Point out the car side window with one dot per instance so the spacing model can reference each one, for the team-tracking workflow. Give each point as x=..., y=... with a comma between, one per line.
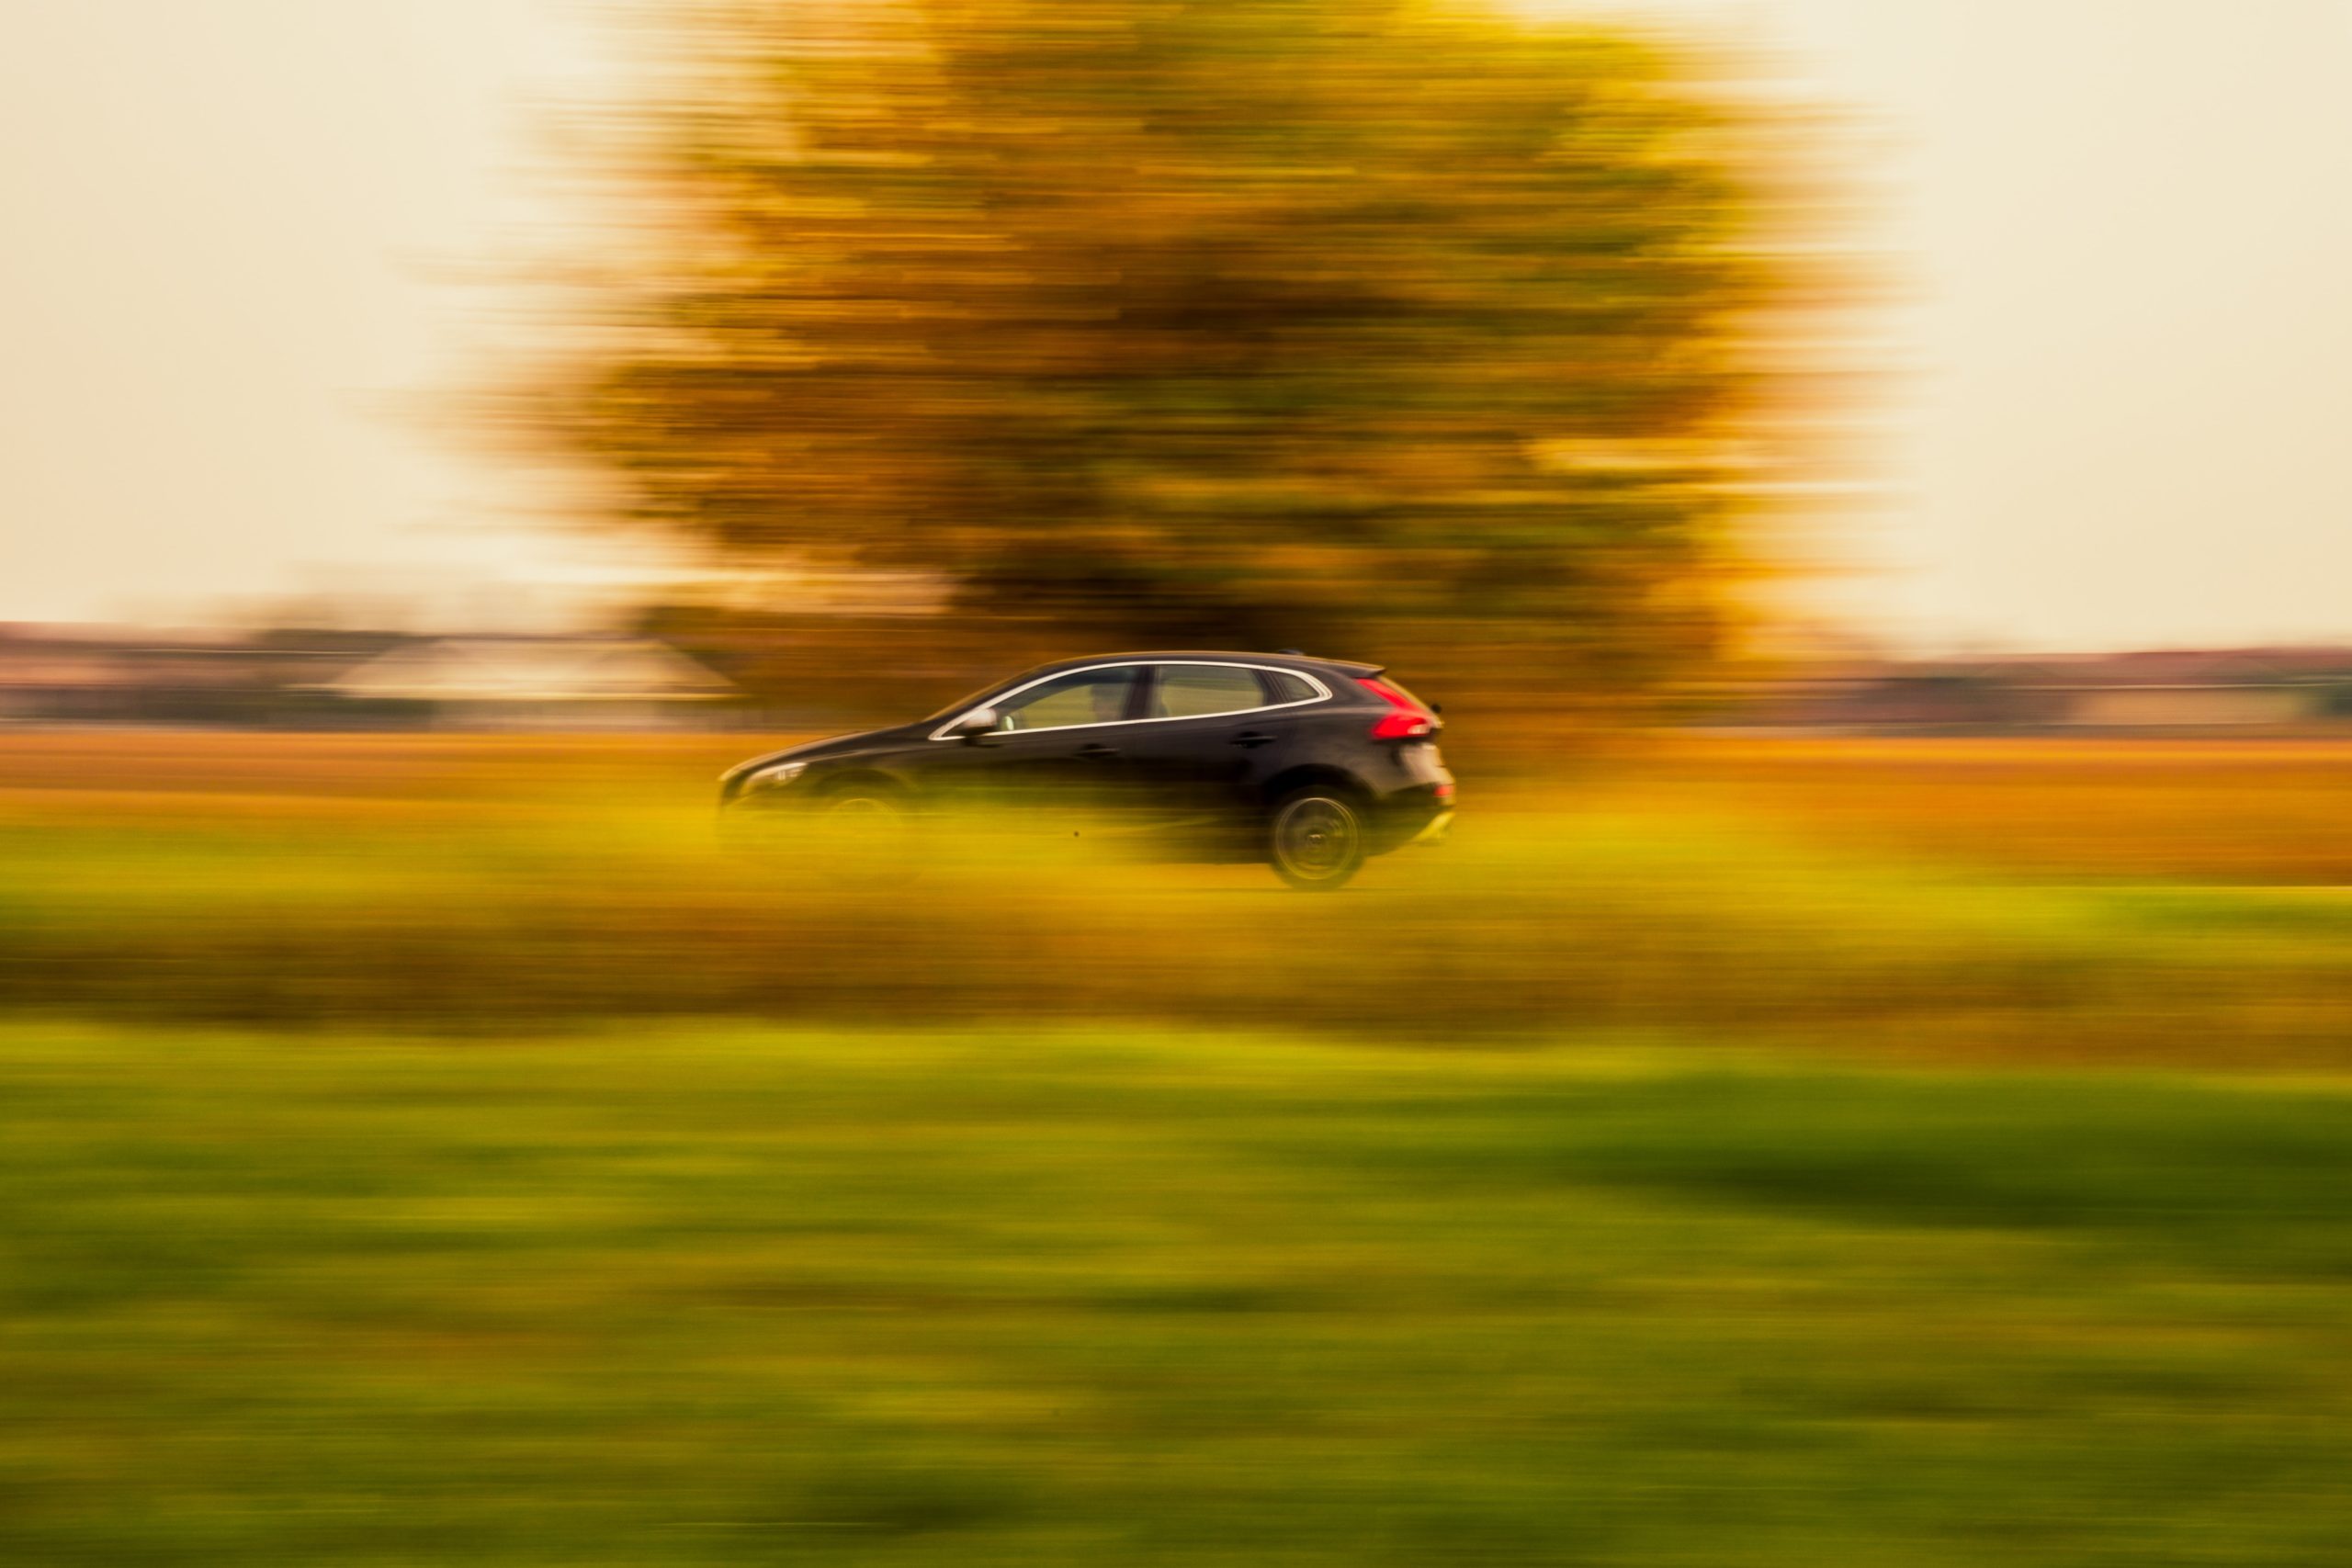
x=1196, y=690
x=1083, y=696
x=1282, y=686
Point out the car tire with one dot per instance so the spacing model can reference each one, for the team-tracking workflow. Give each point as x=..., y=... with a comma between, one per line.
x=867, y=835
x=759, y=828
x=1314, y=838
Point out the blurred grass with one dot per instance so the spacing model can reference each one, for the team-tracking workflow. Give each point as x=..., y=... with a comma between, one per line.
x=705, y=1294
x=2017, y=900
x=432, y=1149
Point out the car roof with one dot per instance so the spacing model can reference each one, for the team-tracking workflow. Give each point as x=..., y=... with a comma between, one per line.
x=1217, y=656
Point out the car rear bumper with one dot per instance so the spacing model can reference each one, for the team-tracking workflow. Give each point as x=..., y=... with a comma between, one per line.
x=1435, y=830
x=1422, y=813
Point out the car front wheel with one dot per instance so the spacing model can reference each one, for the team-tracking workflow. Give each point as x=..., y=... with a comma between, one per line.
x=1315, y=839
x=866, y=836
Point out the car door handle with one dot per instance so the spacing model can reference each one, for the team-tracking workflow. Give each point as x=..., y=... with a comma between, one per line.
x=1095, y=751
x=1253, y=738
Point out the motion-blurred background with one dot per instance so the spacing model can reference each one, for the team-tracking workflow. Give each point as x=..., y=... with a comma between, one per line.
x=1865, y=1084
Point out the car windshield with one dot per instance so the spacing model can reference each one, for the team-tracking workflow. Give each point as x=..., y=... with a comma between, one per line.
x=1065, y=701
x=963, y=706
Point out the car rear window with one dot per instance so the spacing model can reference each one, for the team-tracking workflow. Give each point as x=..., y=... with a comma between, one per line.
x=1196, y=690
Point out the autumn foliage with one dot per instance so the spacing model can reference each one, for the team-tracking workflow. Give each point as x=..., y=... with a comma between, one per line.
x=1314, y=322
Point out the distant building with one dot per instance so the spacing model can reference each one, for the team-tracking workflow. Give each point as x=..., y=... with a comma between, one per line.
x=102, y=675
x=2190, y=707
x=1891, y=696
x=512, y=683
x=2228, y=689
x=2241, y=690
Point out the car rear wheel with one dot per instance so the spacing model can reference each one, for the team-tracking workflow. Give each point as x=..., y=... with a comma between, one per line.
x=1315, y=839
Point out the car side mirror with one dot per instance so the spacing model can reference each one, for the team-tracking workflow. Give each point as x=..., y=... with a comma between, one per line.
x=973, y=725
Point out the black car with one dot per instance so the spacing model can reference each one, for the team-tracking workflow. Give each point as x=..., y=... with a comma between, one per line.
x=1310, y=764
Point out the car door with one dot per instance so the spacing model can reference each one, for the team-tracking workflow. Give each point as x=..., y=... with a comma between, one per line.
x=1057, y=747
x=1208, y=728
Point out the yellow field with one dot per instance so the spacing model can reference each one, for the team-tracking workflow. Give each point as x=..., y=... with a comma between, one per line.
x=2271, y=812
x=2249, y=811
x=2043, y=900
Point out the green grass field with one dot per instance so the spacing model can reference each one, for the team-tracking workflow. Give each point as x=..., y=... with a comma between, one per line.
x=433, y=1152
x=701, y=1295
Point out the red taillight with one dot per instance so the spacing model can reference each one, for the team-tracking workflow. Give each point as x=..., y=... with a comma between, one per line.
x=1406, y=720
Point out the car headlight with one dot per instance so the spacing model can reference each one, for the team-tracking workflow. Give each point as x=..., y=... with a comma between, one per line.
x=776, y=777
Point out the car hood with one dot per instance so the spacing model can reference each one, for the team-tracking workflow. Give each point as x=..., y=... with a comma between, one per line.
x=809, y=752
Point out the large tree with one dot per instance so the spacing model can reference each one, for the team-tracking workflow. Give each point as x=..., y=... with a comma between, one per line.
x=1219, y=320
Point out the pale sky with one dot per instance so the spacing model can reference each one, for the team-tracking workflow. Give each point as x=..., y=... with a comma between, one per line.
x=2126, y=226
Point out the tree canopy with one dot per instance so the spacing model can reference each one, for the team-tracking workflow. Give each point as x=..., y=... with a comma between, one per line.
x=1223, y=322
